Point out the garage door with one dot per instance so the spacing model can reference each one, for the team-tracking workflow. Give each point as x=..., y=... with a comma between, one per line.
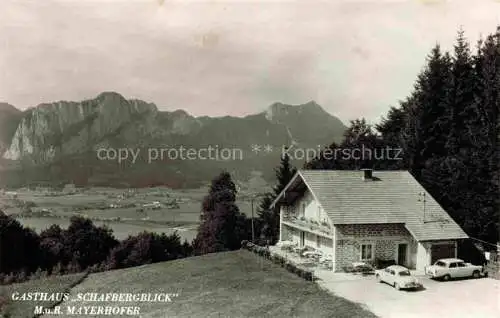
x=442, y=251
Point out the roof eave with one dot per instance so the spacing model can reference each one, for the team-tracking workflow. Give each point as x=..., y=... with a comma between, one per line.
x=444, y=238
x=282, y=193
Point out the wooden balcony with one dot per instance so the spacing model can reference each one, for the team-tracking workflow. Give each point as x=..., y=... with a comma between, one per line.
x=308, y=225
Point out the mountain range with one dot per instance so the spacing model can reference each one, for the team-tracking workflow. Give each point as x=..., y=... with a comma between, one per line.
x=74, y=142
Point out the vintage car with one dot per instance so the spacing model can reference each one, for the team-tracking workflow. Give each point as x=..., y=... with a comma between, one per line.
x=398, y=276
x=448, y=268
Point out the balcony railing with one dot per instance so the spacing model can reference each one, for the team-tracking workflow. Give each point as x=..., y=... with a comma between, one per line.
x=313, y=225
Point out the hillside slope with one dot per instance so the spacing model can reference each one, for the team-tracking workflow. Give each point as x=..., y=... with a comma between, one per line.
x=232, y=284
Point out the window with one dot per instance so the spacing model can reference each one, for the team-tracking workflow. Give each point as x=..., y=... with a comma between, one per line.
x=392, y=272
x=453, y=265
x=404, y=273
x=318, y=241
x=440, y=264
x=303, y=209
x=461, y=265
x=366, y=252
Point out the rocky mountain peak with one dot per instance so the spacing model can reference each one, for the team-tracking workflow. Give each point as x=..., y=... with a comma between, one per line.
x=110, y=97
x=279, y=111
x=8, y=108
x=180, y=113
x=56, y=134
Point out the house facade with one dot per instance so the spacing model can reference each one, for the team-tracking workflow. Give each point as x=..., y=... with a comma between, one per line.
x=363, y=216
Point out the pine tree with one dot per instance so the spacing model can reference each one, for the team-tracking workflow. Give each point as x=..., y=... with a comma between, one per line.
x=326, y=160
x=431, y=103
x=444, y=174
x=269, y=218
x=484, y=132
x=222, y=226
x=391, y=129
x=362, y=142
x=284, y=173
x=451, y=134
x=461, y=96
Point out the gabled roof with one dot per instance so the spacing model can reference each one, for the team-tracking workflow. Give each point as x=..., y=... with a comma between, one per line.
x=390, y=197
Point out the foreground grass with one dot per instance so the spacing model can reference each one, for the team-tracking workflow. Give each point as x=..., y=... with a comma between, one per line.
x=232, y=284
x=24, y=309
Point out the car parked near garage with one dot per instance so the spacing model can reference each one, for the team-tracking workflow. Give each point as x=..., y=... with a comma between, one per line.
x=448, y=268
x=397, y=276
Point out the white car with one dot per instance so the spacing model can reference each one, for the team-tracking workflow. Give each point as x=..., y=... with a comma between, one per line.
x=398, y=276
x=448, y=268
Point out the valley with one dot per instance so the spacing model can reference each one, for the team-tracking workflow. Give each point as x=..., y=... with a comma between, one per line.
x=125, y=211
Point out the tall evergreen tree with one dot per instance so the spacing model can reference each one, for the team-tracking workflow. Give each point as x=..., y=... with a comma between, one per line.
x=269, y=218
x=430, y=109
x=222, y=226
x=484, y=133
x=449, y=129
x=460, y=93
x=327, y=159
x=360, y=148
x=451, y=132
x=284, y=174
x=391, y=129
x=444, y=169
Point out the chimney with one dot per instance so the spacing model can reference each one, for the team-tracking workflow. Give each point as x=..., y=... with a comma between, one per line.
x=367, y=174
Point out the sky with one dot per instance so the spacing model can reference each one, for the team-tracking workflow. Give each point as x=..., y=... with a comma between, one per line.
x=355, y=58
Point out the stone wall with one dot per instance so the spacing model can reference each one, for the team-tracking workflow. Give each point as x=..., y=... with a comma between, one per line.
x=383, y=237
x=369, y=230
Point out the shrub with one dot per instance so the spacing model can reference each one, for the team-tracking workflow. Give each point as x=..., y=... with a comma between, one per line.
x=37, y=274
x=308, y=275
x=9, y=279
x=94, y=268
x=348, y=269
x=278, y=260
x=22, y=276
x=73, y=267
x=58, y=269
x=146, y=248
x=267, y=254
x=299, y=271
x=275, y=259
x=24, y=254
x=363, y=269
x=282, y=261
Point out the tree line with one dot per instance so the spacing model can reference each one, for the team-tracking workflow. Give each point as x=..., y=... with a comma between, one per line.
x=448, y=132
x=83, y=246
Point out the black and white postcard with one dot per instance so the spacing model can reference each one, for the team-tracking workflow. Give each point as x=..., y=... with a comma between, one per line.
x=250, y=158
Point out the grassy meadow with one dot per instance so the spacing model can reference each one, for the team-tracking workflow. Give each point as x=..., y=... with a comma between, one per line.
x=25, y=309
x=231, y=284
